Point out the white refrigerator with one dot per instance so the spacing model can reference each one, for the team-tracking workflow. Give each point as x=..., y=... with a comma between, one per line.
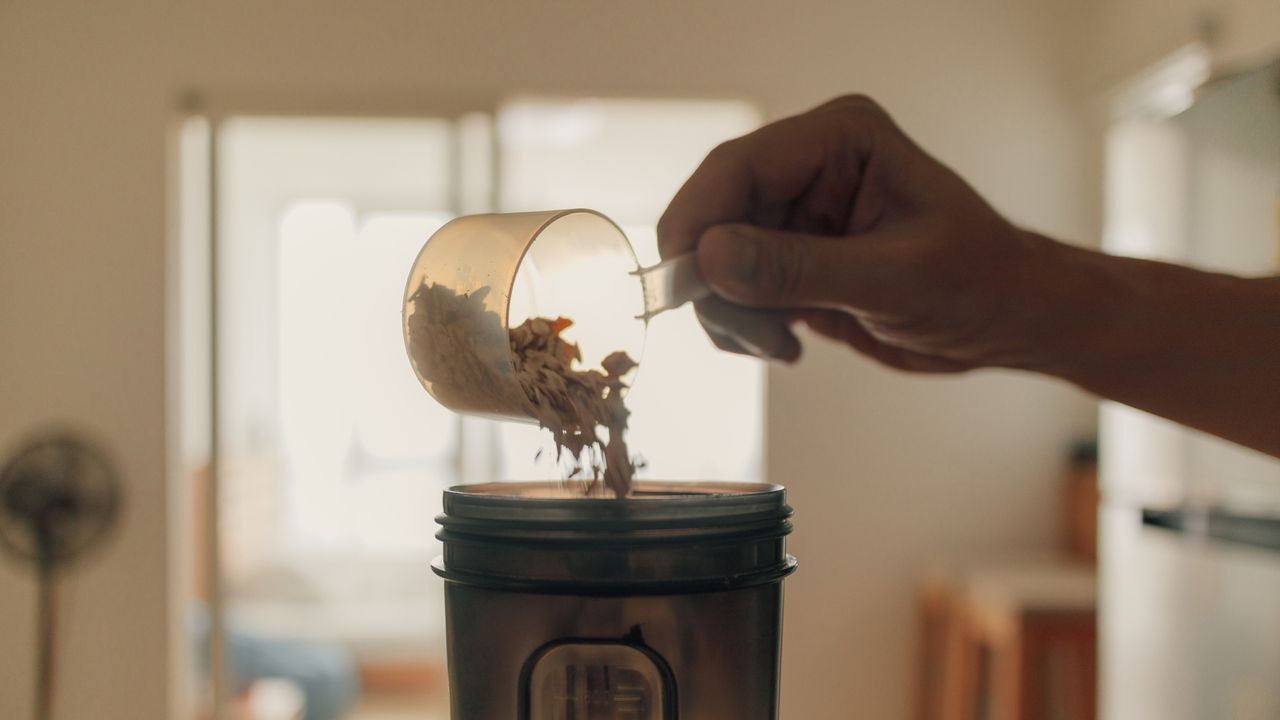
x=1189, y=524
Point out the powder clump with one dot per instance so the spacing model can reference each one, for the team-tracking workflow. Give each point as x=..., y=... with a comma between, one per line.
x=575, y=403
x=455, y=343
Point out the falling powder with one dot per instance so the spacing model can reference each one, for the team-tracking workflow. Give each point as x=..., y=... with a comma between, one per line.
x=575, y=404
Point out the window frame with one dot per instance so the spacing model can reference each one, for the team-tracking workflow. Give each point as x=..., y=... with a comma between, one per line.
x=196, y=249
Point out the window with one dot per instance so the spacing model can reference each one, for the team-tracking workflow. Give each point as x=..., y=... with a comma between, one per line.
x=333, y=458
x=365, y=450
x=328, y=442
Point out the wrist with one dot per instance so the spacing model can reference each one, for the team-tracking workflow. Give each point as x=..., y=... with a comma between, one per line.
x=1070, y=308
x=1100, y=320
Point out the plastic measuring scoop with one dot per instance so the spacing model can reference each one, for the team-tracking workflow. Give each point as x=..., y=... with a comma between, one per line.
x=480, y=275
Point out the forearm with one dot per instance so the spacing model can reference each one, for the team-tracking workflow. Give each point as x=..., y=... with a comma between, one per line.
x=1199, y=348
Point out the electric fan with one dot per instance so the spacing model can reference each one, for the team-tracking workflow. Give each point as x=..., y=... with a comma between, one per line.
x=59, y=498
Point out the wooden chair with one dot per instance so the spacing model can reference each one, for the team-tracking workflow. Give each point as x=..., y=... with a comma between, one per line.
x=1017, y=640
x=1012, y=642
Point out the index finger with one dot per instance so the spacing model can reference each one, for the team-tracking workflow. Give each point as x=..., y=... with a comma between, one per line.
x=746, y=179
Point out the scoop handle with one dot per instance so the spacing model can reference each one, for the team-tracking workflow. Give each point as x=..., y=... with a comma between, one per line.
x=675, y=281
x=670, y=284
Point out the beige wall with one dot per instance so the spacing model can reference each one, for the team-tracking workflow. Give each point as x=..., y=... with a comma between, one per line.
x=887, y=471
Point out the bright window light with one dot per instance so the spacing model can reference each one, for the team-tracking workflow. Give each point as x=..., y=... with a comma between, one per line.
x=697, y=413
x=329, y=445
x=332, y=456
x=366, y=450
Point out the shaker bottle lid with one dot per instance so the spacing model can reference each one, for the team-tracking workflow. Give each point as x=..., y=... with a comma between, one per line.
x=664, y=538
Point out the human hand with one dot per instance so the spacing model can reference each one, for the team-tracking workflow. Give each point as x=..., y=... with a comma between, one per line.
x=836, y=219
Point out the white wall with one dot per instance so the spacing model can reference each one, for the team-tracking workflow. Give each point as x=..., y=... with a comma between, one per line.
x=1124, y=37
x=886, y=470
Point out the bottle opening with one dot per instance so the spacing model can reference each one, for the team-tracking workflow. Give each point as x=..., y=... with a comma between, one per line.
x=641, y=490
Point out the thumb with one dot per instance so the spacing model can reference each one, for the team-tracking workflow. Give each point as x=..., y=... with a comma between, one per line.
x=779, y=269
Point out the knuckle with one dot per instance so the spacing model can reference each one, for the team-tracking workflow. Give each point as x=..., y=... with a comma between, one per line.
x=856, y=100
x=856, y=104
x=723, y=151
x=717, y=234
x=783, y=272
x=862, y=111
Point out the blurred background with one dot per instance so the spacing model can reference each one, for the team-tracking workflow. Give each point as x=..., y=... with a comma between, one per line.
x=277, y=166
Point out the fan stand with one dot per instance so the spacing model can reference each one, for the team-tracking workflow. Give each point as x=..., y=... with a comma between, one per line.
x=59, y=498
x=46, y=625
